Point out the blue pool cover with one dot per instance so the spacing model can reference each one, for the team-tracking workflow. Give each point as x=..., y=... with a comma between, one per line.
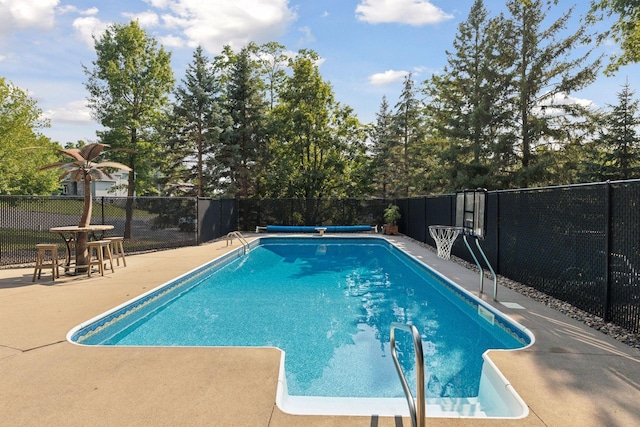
x=314, y=228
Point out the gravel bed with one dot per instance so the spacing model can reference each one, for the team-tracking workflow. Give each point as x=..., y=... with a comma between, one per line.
x=619, y=333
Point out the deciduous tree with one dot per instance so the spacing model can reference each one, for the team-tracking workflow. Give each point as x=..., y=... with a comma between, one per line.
x=273, y=62
x=23, y=149
x=313, y=139
x=129, y=86
x=625, y=31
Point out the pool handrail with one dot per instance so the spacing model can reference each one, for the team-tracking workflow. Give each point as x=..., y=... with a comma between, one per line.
x=240, y=237
x=495, y=278
x=417, y=407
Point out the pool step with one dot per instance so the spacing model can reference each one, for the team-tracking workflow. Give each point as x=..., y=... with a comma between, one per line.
x=454, y=407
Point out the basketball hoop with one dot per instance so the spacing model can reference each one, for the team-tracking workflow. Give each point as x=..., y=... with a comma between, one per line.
x=444, y=235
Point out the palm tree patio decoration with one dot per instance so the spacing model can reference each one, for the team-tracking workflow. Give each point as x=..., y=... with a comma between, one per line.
x=84, y=169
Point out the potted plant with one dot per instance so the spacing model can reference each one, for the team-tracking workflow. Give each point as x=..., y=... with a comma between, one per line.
x=391, y=217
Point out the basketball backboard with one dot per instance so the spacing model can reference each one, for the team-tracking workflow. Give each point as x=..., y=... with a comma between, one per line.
x=471, y=206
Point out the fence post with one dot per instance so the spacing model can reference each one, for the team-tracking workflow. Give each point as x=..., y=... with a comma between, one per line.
x=237, y=210
x=607, y=253
x=197, y=221
x=103, y=210
x=497, y=232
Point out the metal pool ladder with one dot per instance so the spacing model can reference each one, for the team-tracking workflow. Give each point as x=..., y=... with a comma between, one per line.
x=416, y=408
x=495, y=278
x=238, y=235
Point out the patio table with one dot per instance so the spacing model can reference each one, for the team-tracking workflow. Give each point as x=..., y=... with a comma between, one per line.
x=70, y=233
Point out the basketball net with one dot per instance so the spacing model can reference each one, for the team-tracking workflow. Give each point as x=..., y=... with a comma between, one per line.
x=444, y=235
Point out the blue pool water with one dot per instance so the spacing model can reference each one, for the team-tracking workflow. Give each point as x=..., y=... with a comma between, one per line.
x=328, y=303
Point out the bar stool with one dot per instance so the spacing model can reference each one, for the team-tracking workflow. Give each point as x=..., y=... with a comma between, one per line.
x=117, y=249
x=99, y=248
x=43, y=248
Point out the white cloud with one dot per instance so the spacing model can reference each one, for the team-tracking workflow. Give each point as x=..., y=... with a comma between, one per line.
x=160, y=4
x=67, y=8
x=564, y=99
x=307, y=36
x=412, y=12
x=26, y=14
x=171, y=41
x=87, y=27
x=387, y=78
x=72, y=9
x=215, y=24
x=547, y=105
x=75, y=112
x=146, y=19
x=91, y=11
x=174, y=23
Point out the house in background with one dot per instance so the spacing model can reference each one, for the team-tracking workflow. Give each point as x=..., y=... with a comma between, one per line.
x=116, y=187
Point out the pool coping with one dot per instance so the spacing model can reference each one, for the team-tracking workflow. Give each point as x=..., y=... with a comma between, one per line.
x=572, y=375
x=492, y=382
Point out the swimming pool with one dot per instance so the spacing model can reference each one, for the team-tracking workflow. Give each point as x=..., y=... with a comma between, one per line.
x=328, y=304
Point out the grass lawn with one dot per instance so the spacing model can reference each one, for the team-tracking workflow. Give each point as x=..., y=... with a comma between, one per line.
x=70, y=206
x=13, y=239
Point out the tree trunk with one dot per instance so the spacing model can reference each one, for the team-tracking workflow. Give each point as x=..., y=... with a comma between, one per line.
x=131, y=188
x=200, y=192
x=81, y=244
x=128, y=224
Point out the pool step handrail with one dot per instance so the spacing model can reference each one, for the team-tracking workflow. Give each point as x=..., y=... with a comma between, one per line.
x=417, y=406
x=238, y=235
x=495, y=278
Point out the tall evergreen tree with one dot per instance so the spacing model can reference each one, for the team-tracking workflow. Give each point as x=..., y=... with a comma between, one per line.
x=470, y=102
x=409, y=125
x=546, y=67
x=619, y=139
x=129, y=87
x=385, y=151
x=238, y=157
x=194, y=127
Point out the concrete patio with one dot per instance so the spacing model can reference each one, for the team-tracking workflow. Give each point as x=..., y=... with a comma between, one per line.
x=571, y=376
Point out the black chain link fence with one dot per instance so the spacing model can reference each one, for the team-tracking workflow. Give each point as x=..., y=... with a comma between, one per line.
x=623, y=247
x=580, y=244
x=164, y=222
x=263, y=212
x=156, y=223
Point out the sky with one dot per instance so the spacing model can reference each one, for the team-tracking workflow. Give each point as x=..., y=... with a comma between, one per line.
x=367, y=46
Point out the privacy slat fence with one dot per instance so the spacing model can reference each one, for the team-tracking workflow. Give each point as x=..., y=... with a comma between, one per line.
x=580, y=244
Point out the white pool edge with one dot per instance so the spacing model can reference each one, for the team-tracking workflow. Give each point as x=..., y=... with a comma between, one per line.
x=492, y=383
x=491, y=380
